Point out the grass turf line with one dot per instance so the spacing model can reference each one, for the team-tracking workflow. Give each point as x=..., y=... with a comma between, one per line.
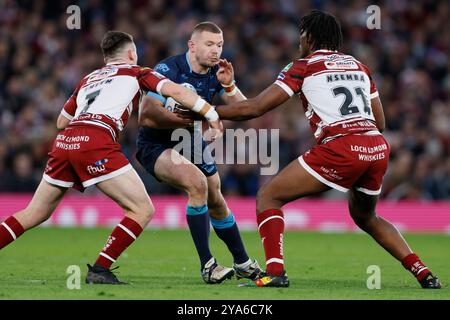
x=163, y=264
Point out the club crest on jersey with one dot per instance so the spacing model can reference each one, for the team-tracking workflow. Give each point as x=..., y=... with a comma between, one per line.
x=162, y=67
x=336, y=65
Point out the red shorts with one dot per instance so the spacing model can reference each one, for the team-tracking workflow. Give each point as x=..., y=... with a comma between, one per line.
x=358, y=161
x=83, y=156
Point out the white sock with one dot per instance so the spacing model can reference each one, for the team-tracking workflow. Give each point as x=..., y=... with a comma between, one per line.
x=244, y=265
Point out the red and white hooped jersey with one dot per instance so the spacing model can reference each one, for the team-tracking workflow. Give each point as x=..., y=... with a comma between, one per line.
x=106, y=97
x=335, y=90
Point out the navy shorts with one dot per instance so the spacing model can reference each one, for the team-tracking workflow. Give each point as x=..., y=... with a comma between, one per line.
x=149, y=151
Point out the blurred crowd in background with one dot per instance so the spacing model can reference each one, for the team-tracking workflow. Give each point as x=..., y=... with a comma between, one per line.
x=41, y=62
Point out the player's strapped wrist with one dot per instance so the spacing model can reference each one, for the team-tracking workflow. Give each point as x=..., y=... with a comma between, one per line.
x=212, y=115
x=205, y=109
x=230, y=89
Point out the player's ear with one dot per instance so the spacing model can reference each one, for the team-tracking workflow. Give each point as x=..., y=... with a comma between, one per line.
x=191, y=45
x=132, y=55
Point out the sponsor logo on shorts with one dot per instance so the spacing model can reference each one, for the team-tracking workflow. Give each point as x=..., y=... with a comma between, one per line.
x=100, y=162
x=370, y=153
x=364, y=149
x=331, y=173
x=94, y=170
x=97, y=167
x=67, y=146
x=69, y=142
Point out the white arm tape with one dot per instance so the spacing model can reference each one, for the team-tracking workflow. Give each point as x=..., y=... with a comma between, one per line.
x=198, y=105
x=228, y=85
x=211, y=115
x=233, y=92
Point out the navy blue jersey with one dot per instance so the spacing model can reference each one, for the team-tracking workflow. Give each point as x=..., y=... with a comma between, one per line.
x=178, y=69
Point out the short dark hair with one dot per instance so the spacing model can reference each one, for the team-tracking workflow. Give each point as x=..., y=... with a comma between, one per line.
x=207, y=26
x=113, y=41
x=322, y=29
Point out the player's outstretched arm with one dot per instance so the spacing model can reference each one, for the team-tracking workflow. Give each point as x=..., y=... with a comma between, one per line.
x=378, y=113
x=192, y=101
x=269, y=99
x=152, y=114
x=225, y=75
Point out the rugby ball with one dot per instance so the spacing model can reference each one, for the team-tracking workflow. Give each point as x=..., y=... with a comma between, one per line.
x=171, y=104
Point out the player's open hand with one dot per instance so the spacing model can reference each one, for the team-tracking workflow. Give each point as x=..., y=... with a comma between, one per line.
x=215, y=130
x=225, y=74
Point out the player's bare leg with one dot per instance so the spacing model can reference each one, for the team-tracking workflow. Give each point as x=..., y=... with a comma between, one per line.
x=42, y=205
x=362, y=210
x=129, y=192
x=291, y=183
x=226, y=228
x=175, y=170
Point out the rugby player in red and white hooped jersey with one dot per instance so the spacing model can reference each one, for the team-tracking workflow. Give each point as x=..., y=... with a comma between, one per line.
x=344, y=110
x=86, y=152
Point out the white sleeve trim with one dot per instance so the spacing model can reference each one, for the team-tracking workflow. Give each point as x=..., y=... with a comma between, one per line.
x=285, y=87
x=159, y=86
x=66, y=114
x=374, y=95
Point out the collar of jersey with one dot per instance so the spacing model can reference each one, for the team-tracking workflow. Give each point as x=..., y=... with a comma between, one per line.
x=195, y=74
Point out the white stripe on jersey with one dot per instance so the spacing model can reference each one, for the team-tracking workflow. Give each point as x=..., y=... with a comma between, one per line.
x=100, y=124
x=65, y=114
x=285, y=87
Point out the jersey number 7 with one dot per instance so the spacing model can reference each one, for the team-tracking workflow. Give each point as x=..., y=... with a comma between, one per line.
x=90, y=99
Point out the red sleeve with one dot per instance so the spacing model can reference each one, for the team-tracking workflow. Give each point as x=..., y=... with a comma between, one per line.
x=373, y=87
x=290, y=79
x=151, y=80
x=70, y=107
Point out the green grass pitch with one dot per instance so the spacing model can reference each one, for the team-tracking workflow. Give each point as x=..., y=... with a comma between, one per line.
x=164, y=265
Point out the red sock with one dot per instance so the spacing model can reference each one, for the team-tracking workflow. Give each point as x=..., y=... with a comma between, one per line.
x=10, y=230
x=271, y=228
x=122, y=236
x=413, y=263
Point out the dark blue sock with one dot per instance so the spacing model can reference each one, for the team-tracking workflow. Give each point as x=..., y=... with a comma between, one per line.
x=227, y=230
x=198, y=221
